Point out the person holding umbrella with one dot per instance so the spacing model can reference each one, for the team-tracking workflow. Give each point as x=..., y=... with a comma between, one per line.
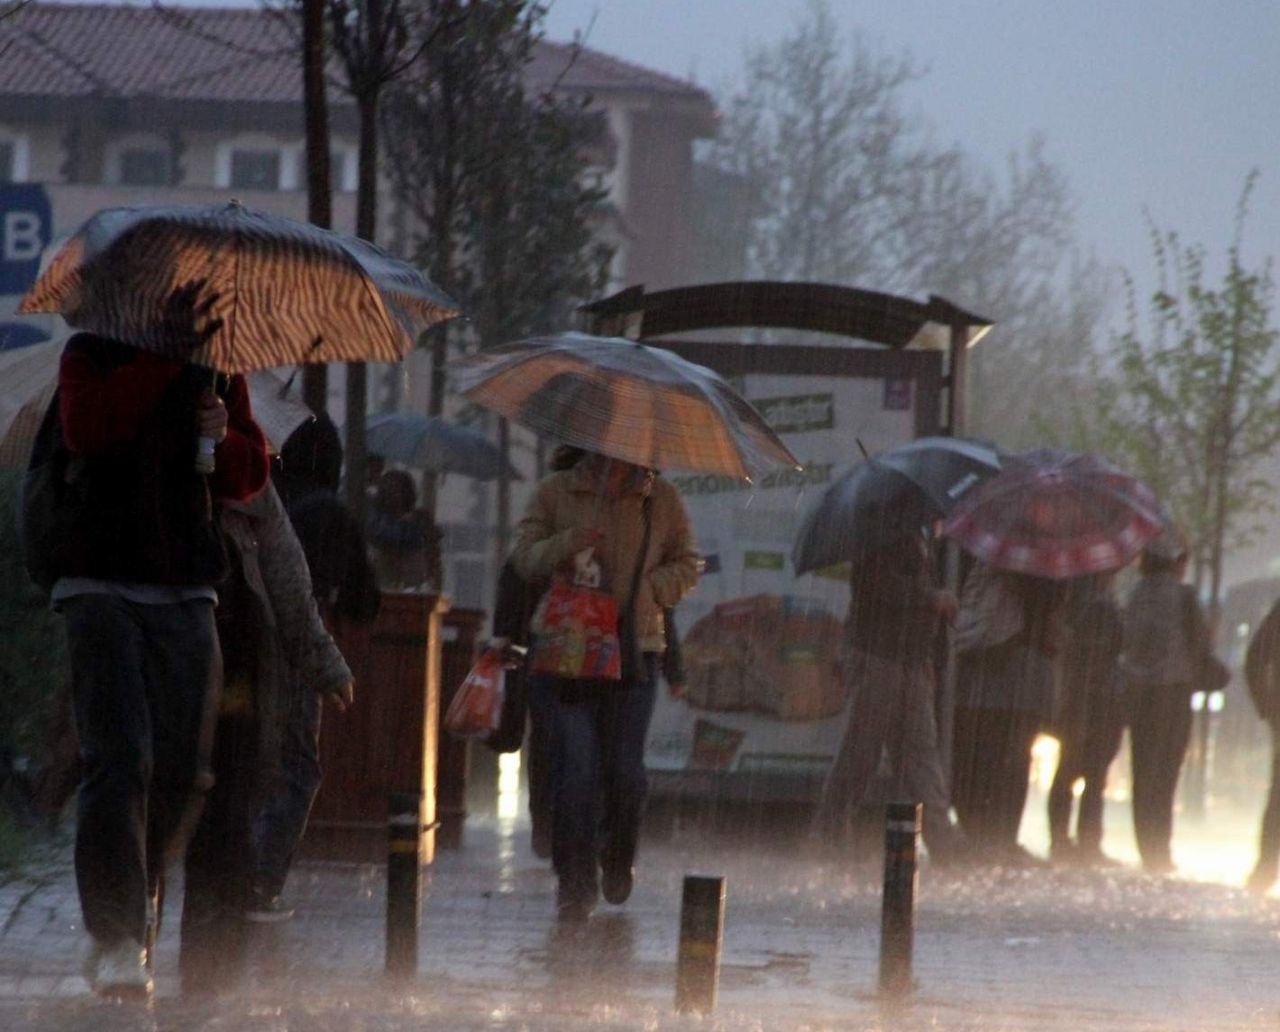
x=636, y=524
x=168, y=295
x=136, y=583
x=896, y=613
x=1049, y=516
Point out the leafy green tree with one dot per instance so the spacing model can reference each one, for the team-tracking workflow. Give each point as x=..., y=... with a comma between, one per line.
x=498, y=181
x=1194, y=403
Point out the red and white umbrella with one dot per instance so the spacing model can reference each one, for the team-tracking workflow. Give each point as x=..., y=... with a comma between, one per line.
x=1056, y=514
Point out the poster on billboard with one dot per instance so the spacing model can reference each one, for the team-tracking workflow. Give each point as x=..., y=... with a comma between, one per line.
x=765, y=699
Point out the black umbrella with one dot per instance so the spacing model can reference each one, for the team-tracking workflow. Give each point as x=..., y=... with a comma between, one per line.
x=905, y=487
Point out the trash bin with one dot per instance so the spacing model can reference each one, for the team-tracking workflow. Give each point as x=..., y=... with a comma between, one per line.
x=387, y=741
x=460, y=637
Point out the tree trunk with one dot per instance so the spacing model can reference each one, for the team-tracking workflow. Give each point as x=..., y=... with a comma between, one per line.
x=504, y=493
x=315, y=377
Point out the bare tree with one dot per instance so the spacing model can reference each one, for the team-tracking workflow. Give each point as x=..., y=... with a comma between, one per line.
x=836, y=182
x=315, y=103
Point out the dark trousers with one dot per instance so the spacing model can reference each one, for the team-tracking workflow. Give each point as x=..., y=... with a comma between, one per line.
x=213, y=954
x=143, y=679
x=990, y=765
x=1268, y=865
x=541, y=720
x=279, y=825
x=1093, y=729
x=598, y=779
x=1159, y=729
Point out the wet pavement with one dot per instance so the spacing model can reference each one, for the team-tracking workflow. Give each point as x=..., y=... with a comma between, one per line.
x=995, y=949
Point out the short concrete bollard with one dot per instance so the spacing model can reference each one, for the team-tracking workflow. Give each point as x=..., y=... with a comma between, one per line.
x=897, y=915
x=701, y=937
x=404, y=883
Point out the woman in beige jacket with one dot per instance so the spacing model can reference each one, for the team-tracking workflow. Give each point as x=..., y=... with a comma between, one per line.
x=598, y=729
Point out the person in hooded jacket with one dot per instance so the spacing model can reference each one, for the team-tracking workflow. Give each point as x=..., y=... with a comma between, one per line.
x=1262, y=676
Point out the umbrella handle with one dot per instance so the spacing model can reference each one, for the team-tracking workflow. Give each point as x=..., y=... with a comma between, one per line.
x=206, y=462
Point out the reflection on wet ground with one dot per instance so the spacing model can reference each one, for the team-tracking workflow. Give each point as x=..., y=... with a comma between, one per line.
x=1080, y=949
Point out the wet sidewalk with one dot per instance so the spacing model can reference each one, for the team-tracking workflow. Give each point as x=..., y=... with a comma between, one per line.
x=995, y=949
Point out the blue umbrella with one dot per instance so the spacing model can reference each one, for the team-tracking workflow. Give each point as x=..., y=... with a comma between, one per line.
x=430, y=443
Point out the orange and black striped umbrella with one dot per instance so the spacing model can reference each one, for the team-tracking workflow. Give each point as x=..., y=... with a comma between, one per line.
x=633, y=402
x=237, y=289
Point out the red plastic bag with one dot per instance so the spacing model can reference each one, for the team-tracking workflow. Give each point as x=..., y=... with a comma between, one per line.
x=476, y=708
x=576, y=634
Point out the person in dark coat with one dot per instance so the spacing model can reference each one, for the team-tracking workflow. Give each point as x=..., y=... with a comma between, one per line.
x=1091, y=719
x=896, y=614
x=136, y=581
x=345, y=588
x=1166, y=639
x=1262, y=675
x=1008, y=639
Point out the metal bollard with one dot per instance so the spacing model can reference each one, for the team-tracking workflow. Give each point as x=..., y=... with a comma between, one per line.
x=897, y=914
x=701, y=937
x=404, y=882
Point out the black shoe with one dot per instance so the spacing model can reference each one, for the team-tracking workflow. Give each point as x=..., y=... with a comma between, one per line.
x=616, y=882
x=267, y=909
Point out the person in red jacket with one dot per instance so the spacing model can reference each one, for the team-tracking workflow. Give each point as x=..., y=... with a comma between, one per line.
x=136, y=581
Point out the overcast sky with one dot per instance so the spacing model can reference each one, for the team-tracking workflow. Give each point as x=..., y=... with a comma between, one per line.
x=1162, y=104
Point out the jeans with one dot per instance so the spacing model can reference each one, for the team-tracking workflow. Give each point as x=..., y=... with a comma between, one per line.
x=144, y=685
x=598, y=781
x=282, y=819
x=1268, y=864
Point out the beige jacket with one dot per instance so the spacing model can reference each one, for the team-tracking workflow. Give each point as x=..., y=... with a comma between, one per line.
x=571, y=499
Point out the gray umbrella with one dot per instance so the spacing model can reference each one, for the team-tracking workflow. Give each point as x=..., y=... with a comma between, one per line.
x=907, y=486
x=431, y=443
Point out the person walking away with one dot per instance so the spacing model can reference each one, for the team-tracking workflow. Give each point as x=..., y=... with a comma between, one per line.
x=1091, y=721
x=406, y=544
x=274, y=645
x=345, y=589
x=895, y=615
x=1262, y=676
x=637, y=527
x=1166, y=638
x=1008, y=637
x=136, y=583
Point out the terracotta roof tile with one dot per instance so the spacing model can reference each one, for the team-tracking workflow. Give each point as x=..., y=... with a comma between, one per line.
x=227, y=54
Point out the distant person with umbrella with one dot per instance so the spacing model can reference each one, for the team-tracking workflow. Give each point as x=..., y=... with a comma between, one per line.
x=1008, y=638
x=405, y=541
x=1047, y=517
x=896, y=613
x=1167, y=649
x=637, y=526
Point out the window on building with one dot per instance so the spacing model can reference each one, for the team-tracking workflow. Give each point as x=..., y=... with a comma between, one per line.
x=144, y=166
x=8, y=159
x=255, y=170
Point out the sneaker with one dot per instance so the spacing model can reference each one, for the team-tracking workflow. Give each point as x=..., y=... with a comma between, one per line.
x=616, y=882
x=541, y=839
x=267, y=909
x=119, y=969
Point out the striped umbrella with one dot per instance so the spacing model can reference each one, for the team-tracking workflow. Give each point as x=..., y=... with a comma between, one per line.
x=633, y=402
x=237, y=289
x=1056, y=514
